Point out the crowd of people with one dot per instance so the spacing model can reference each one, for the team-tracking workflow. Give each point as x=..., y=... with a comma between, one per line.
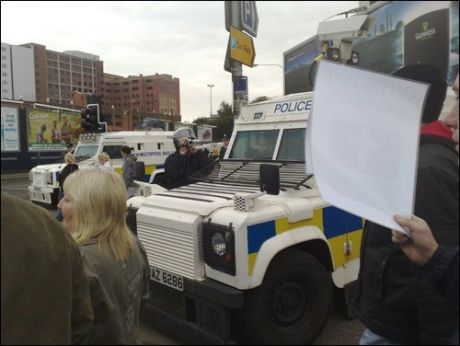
x=84, y=281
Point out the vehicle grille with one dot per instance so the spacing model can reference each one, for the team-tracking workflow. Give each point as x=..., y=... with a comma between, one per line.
x=39, y=179
x=131, y=219
x=169, y=249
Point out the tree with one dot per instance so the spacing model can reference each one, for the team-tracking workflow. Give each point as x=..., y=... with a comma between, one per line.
x=223, y=123
x=201, y=121
x=260, y=99
x=225, y=110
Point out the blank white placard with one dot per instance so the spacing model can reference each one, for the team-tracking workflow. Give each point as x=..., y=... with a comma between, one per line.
x=363, y=140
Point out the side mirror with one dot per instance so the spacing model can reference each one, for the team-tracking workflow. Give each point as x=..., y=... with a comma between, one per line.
x=270, y=179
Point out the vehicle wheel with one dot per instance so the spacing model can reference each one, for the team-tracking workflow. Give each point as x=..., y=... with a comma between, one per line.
x=292, y=304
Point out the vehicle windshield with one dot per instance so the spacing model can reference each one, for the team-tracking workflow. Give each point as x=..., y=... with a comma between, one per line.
x=85, y=151
x=254, y=145
x=113, y=151
x=292, y=147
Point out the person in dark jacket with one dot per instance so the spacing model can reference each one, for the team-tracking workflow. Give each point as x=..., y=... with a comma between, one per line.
x=439, y=264
x=223, y=150
x=177, y=165
x=129, y=170
x=71, y=166
x=198, y=159
x=394, y=304
x=45, y=293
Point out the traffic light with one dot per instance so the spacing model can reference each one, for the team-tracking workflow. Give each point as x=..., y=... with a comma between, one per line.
x=90, y=119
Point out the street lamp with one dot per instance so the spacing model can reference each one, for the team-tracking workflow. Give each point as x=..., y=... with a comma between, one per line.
x=210, y=86
x=113, y=117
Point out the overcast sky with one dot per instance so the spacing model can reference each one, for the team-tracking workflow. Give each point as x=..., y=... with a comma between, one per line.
x=185, y=39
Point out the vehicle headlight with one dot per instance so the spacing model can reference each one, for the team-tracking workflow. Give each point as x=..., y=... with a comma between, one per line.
x=218, y=243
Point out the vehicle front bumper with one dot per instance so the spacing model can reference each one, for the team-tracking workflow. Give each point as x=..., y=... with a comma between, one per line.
x=204, y=306
x=43, y=194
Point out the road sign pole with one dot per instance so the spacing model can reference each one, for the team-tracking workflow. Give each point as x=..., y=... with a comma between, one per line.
x=240, y=15
x=237, y=71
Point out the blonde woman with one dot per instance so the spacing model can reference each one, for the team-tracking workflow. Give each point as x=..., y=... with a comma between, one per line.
x=116, y=265
x=105, y=163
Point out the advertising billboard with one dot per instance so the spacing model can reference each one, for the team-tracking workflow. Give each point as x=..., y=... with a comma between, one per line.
x=51, y=130
x=401, y=33
x=10, y=129
x=299, y=67
x=204, y=133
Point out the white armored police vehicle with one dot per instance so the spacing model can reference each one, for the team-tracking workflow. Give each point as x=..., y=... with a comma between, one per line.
x=224, y=254
x=237, y=264
x=150, y=147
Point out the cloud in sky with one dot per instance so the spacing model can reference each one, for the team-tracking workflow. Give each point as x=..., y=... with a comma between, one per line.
x=185, y=39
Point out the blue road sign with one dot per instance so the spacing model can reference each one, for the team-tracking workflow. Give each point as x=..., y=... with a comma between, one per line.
x=249, y=19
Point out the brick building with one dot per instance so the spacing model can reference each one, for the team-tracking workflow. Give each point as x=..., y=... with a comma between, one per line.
x=71, y=77
x=155, y=96
x=58, y=74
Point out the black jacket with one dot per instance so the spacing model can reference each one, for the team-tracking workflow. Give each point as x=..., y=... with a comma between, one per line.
x=441, y=272
x=66, y=171
x=198, y=161
x=222, y=152
x=176, y=170
x=395, y=301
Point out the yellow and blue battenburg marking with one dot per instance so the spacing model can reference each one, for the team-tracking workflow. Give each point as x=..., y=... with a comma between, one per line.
x=148, y=171
x=338, y=227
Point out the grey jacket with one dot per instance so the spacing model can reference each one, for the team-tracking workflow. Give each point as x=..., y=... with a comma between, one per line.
x=129, y=170
x=117, y=290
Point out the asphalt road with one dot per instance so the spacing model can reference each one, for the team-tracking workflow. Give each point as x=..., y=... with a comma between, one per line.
x=338, y=331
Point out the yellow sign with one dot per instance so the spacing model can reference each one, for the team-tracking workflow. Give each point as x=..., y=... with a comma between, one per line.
x=241, y=47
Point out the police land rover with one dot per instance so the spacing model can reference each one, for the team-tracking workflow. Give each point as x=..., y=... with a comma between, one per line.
x=240, y=264
x=150, y=147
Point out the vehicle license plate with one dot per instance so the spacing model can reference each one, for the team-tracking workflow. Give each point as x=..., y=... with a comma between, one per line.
x=166, y=278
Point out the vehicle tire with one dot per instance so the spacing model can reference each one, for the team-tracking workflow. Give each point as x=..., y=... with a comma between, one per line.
x=292, y=304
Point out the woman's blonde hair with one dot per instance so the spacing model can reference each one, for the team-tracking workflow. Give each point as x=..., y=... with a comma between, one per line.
x=69, y=158
x=99, y=200
x=104, y=157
